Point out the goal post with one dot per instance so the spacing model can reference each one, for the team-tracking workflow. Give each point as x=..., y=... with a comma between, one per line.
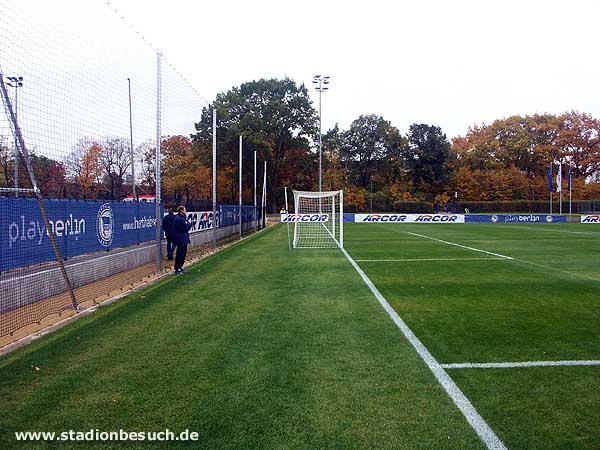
x=318, y=219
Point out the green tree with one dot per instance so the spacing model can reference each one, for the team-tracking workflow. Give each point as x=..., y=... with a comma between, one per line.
x=371, y=148
x=429, y=159
x=275, y=118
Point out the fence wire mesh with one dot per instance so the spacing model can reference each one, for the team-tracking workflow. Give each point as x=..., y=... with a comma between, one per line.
x=84, y=88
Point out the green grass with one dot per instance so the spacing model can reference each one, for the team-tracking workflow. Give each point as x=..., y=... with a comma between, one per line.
x=543, y=305
x=253, y=348
x=257, y=347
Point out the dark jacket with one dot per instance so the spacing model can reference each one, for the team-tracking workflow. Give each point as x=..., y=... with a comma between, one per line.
x=180, y=230
x=167, y=224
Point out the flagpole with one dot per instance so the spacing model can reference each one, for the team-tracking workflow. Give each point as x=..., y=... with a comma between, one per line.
x=559, y=186
x=569, y=180
x=550, y=185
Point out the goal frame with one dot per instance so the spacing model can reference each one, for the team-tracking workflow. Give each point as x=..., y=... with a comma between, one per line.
x=333, y=211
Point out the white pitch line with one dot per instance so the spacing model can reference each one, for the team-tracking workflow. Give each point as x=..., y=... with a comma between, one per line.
x=508, y=365
x=427, y=259
x=461, y=246
x=478, y=423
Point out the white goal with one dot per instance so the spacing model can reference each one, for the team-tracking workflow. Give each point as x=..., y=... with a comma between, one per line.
x=318, y=219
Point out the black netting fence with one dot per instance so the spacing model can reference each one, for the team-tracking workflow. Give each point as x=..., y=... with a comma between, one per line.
x=88, y=109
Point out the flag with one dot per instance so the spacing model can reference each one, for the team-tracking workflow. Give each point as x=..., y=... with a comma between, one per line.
x=559, y=178
x=569, y=179
x=550, y=178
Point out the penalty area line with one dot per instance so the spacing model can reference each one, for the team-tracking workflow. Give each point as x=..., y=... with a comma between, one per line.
x=487, y=258
x=478, y=423
x=461, y=246
x=510, y=365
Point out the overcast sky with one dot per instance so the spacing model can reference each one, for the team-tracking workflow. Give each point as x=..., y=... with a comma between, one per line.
x=446, y=63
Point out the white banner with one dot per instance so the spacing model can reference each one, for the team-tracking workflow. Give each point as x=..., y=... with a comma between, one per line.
x=590, y=218
x=317, y=217
x=409, y=218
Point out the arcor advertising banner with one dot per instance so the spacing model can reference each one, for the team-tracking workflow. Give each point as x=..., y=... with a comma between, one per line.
x=201, y=220
x=305, y=218
x=409, y=218
x=590, y=218
x=79, y=227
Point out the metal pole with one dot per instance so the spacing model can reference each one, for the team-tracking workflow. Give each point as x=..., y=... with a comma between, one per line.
x=131, y=141
x=158, y=162
x=16, y=164
x=550, y=186
x=569, y=181
x=255, y=210
x=288, y=222
x=560, y=187
x=264, y=197
x=214, y=177
x=371, y=196
x=341, y=219
x=240, y=199
x=320, y=140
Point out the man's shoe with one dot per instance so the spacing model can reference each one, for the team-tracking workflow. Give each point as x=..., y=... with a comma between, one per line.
x=179, y=272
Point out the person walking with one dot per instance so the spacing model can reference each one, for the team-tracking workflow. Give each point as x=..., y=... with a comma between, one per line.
x=180, y=234
x=167, y=226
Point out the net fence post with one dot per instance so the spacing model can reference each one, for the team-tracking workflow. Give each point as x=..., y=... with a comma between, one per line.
x=288, y=222
x=158, y=162
x=22, y=151
x=255, y=208
x=341, y=219
x=240, y=198
x=214, y=177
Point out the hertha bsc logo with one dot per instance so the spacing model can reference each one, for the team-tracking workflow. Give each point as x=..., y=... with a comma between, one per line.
x=105, y=225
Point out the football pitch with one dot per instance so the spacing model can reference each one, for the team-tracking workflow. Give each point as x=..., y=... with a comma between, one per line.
x=492, y=331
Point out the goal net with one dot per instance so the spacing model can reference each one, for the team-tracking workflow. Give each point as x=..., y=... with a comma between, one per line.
x=318, y=219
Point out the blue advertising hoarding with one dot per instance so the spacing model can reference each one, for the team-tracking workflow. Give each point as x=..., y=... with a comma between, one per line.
x=514, y=218
x=79, y=227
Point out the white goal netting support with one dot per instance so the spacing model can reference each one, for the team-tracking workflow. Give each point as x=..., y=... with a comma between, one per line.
x=318, y=219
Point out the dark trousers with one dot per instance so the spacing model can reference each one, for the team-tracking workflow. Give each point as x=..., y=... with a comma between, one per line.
x=170, y=247
x=180, y=256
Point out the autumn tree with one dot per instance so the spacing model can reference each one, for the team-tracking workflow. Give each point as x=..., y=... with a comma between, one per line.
x=183, y=174
x=84, y=168
x=50, y=175
x=147, y=159
x=115, y=158
x=579, y=143
x=55, y=185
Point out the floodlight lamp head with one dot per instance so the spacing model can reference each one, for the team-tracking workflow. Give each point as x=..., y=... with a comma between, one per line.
x=15, y=81
x=317, y=76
